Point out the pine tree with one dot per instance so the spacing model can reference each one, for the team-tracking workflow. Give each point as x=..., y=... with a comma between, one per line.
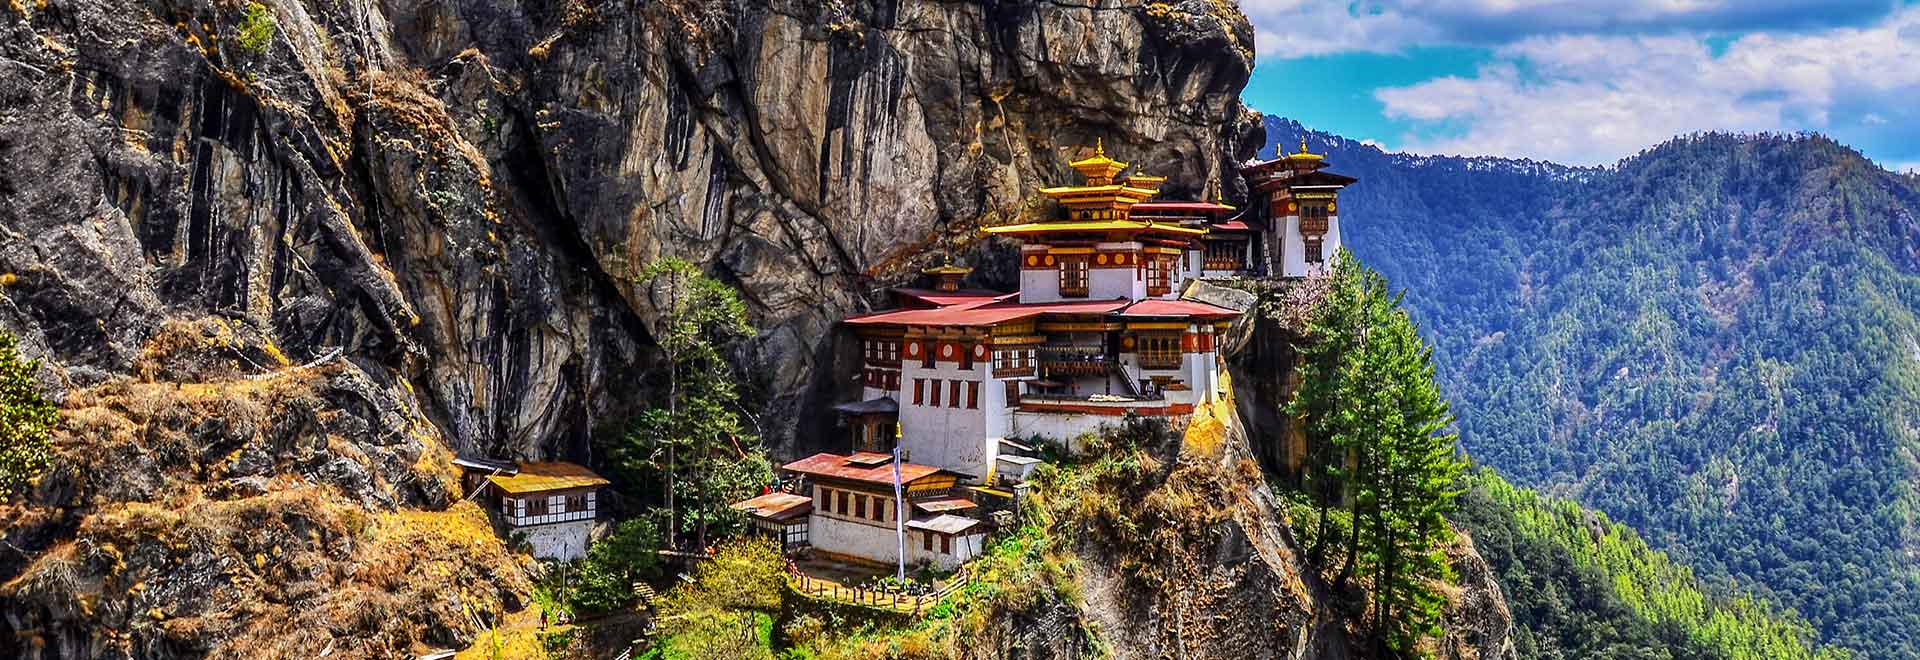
x=26, y=420
x=1367, y=392
x=695, y=444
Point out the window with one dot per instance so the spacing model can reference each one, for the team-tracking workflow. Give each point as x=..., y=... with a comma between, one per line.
x=933, y=399
x=893, y=351
x=919, y=387
x=1031, y=361
x=576, y=503
x=841, y=506
x=893, y=380
x=953, y=393
x=1073, y=276
x=966, y=357
x=1160, y=351
x=880, y=509
x=1159, y=275
x=926, y=354
x=973, y=394
x=946, y=544
x=926, y=541
x=859, y=506
x=537, y=506
x=867, y=348
x=1312, y=245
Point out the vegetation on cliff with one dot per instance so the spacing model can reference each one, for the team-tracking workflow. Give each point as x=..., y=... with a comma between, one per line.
x=1717, y=342
x=1368, y=399
x=26, y=420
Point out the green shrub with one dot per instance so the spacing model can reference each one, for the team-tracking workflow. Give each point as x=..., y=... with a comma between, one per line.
x=256, y=28
x=26, y=420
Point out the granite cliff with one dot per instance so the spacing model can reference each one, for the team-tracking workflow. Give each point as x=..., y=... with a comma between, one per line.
x=281, y=260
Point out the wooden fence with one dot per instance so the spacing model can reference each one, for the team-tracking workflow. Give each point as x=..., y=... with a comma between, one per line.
x=892, y=601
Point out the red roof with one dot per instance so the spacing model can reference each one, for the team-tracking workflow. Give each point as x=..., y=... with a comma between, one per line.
x=1180, y=308
x=971, y=297
x=1147, y=208
x=1230, y=225
x=842, y=466
x=990, y=314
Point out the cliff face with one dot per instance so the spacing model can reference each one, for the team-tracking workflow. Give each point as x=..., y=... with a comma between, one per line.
x=463, y=193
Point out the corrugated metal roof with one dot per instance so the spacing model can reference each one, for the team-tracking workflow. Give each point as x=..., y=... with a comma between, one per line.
x=970, y=297
x=988, y=314
x=1176, y=308
x=1149, y=207
x=1094, y=225
x=882, y=405
x=945, y=523
x=945, y=504
x=776, y=506
x=542, y=477
x=841, y=466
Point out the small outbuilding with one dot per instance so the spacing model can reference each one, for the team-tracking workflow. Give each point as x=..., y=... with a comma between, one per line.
x=552, y=505
x=778, y=516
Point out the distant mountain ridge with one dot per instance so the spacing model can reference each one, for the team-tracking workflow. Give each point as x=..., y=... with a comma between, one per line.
x=1714, y=341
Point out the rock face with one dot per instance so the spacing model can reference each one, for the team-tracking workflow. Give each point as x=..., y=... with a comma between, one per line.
x=464, y=192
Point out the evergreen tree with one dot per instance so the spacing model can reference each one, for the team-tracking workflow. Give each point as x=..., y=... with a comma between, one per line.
x=694, y=444
x=1367, y=393
x=26, y=420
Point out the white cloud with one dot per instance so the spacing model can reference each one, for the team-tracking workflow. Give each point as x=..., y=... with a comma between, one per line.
x=1299, y=28
x=1591, y=99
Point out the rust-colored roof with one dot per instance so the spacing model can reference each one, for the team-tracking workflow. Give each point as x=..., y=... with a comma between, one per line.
x=776, y=506
x=970, y=297
x=543, y=477
x=1094, y=225
x=1000, y=312
x=842, y=466
x=1148, y=208
x=1179, y=308
x=1231, y=225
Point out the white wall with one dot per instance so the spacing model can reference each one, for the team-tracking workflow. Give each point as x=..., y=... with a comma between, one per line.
x=1295, y=249
x=1112, y=282
x=955, y=438
x=565, y=541
x=1060, y=427
x=871, y=542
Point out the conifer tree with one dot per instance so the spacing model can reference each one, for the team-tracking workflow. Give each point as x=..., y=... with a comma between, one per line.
x=1367, y=394
x=26, y=420
x=694, y=444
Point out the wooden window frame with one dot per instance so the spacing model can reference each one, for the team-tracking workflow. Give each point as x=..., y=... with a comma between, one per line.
x=933, y=396
x=1160, y=350
x=926, y=541
x=1076, y=276
x=1159, y=275
x=919, y=391
x=1313, y=250
x=973, y=395
x=953, y=394
x=841, y=506
x=946, y=544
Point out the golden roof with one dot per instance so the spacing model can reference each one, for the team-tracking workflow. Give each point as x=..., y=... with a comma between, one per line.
x=1099, y=225
x=543, y=477
x=948, y=269
x=1116, y=191
x=1098, y=167
x=1303, y=153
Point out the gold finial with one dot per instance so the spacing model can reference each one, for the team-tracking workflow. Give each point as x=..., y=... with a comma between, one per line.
x=1099, y=147
x=1303, y=144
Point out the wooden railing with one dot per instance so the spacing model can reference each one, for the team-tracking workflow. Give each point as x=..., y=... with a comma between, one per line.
x=891, y=601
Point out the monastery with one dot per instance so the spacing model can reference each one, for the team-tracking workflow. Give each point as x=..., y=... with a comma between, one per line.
x=960, y=381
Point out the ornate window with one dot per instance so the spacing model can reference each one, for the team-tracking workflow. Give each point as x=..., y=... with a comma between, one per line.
x=1159, y=275
x=1073, y=276
x=1160, y=351
x=1313, y=247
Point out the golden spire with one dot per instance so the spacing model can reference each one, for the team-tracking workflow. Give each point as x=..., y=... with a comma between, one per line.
x=1303, y=153
x=1098, y=169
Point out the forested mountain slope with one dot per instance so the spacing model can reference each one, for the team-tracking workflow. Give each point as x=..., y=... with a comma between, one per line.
x=1714, y=341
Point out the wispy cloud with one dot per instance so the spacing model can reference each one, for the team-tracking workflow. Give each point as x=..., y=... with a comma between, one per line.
x=1594, y=98
x=1299, y=28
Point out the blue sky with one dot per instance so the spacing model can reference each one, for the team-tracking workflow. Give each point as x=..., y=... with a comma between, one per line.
x=1591, y=82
